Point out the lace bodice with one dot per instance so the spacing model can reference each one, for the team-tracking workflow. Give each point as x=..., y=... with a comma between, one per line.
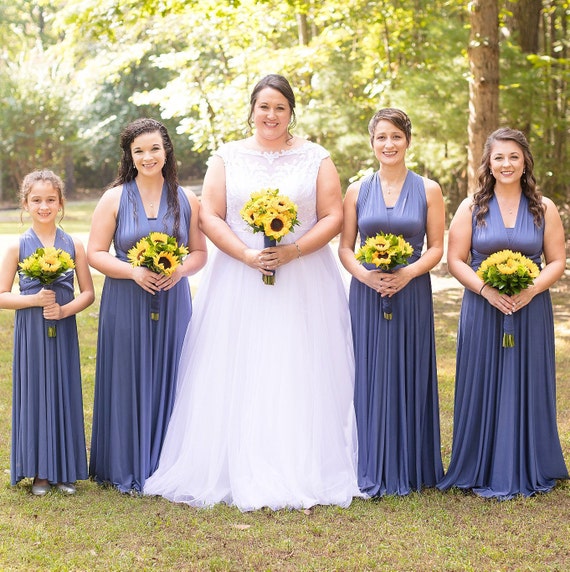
x=293, y=172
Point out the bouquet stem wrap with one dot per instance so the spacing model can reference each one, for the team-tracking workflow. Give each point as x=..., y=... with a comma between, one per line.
x=155, y=305
x=267, y=242
x=508, y=331
x=51, y=324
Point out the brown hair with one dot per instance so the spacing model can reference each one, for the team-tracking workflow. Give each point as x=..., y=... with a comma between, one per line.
x=279, y=83
x=486, y=181
x=127, y=170
x=42, y=175
x=395, y=116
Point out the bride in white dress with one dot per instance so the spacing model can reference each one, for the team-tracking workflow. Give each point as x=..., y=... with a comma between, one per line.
x=264, y=415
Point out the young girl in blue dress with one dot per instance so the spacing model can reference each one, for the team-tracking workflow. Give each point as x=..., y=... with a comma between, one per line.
x=48, y=435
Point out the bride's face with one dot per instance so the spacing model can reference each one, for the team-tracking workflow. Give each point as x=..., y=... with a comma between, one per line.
x=271, y=114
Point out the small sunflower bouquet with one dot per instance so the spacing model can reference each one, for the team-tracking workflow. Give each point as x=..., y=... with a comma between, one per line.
x=509, y=272
x=160, y=253
x=385, y=251
x=46, y=265
x=272, y=214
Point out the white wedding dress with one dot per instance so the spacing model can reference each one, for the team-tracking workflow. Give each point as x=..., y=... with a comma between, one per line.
x=264, y=415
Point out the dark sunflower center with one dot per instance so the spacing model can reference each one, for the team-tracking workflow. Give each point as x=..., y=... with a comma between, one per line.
x=165, y=262
x=277, y=225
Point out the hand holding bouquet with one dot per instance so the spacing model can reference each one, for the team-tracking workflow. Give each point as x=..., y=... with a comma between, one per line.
x=509, y=272
x=47, y=265
x=385, y=251
x=160, y=253
x=272, y=214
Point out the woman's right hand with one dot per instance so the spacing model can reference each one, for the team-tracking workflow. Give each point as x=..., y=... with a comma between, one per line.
x=45, y=298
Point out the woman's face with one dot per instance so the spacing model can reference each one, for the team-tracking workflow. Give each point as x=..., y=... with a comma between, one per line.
x=506, y=162
x=271, y=114
x=148, y=153
x=389, y=143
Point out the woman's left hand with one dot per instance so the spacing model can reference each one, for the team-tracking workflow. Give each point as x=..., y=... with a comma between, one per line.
x=275, y=256
x=521, y=299
x=168, y=282
x=53, y=312
x=392, y=282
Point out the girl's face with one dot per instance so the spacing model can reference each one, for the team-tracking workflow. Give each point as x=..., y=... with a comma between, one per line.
x=148, y=153
x=43, y=202
x=506, y=162
x=389, y=143
x=271, y=114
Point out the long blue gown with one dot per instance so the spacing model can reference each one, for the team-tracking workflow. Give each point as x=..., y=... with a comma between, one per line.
x=48, y=434
x=137, y=357
x=396, y=397
x=505, y=438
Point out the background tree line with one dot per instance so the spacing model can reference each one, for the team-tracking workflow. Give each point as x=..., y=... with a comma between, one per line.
x=72, y=74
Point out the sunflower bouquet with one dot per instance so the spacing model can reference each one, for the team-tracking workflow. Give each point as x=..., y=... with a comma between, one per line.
x=385, y=251
x=272, y=214
x=46, y=265
x=509, y=272
x=160, y=253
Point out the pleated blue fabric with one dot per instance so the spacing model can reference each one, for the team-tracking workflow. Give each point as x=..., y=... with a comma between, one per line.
x=48, y=434
x=396, y=395
x=137, y=357
x=505, y=440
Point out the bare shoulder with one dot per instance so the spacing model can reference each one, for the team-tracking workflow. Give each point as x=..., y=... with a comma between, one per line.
x=191, y=196
x=431, y=186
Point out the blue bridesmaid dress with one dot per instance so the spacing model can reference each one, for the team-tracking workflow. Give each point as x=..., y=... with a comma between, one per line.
x=396, y=397
x=505, y=440
x=48, y=434
x=137, y=357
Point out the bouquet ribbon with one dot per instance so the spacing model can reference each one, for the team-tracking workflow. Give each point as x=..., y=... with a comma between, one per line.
x=508, y=331
x=267, y=242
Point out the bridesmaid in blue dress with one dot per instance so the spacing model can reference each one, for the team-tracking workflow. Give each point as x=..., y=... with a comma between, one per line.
x=48, y=434
x=396, y=397
x=137, y=357
x=505, y=440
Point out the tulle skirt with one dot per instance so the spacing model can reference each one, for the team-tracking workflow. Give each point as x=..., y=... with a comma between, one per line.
x=264, y=415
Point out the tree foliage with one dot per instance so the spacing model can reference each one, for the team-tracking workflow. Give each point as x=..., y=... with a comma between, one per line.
x=193, y=64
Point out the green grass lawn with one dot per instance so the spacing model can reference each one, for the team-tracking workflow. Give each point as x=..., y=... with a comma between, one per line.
x=101, y=529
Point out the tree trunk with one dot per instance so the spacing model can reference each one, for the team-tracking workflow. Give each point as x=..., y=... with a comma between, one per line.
x=302, y=29
x=526, y=16
x=484, y=82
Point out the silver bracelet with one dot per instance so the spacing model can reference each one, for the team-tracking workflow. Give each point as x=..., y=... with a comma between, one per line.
x=298, y=250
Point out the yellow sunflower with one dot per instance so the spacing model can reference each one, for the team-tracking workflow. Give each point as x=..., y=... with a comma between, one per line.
x=275, y=225
x=158, y=237
x=165, y=262
x=137, y=253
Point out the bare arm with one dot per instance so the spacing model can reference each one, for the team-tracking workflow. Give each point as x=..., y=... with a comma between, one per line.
x=15, y=301
x=103, y=225
x=554, y=249
x=196, y=241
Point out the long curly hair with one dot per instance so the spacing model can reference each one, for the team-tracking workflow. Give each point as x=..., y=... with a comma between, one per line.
x=486, y=181
x=279, y=83
x=127, y=171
